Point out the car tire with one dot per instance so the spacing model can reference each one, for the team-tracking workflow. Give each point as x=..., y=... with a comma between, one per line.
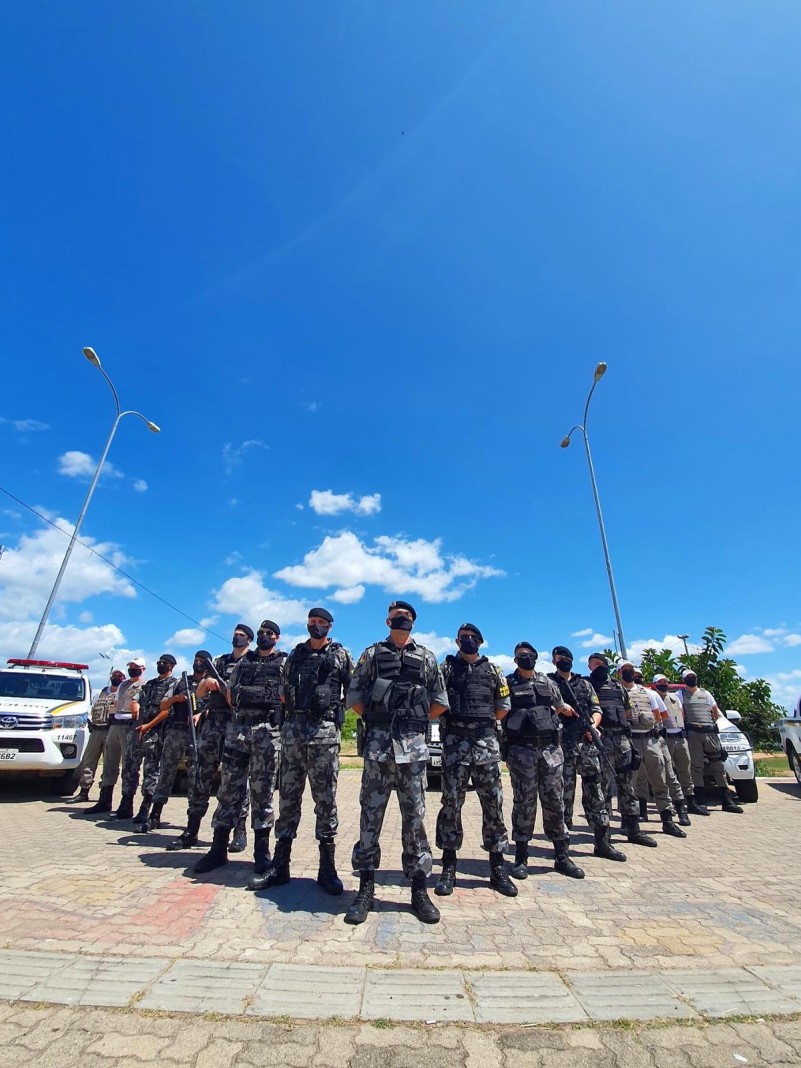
x=795, y=764
x=747, y=791
x=69, y=782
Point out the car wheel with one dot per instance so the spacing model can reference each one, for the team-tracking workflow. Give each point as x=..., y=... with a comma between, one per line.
x=69, y=782
x=747, y=790
x=795, y=764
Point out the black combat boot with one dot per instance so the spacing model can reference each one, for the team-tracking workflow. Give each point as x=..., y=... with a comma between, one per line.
x=125, y=809
x=422, y=905
x=444, y=887
x=604, y=847
x=695, y=803
x=82, y=795
x=519, y=869
x=187, y=838
x=144, y=809
x=278, y=872
x=643, y=810
x=684, y=819
x=327, y=876
x=669, y=827
x=727, y=802
x=499, y=880
x=153, y=821
x=261, y=851
x=239, y=842
x=218, y=854
x=631, y=829
x=562, y=862
x=363, y=902
x=104, y=802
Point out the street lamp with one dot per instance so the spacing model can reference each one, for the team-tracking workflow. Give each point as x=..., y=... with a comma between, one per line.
x=92, y=357
x=600, y=371
x=683, y=638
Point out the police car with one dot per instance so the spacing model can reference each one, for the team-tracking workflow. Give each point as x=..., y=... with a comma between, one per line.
x=739, y=766
x=44, y=715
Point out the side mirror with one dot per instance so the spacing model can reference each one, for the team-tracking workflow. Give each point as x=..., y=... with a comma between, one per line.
x=733, y=715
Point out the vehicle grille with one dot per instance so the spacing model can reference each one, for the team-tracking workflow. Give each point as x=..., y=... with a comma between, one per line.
x=23, y=745
x=30, y=722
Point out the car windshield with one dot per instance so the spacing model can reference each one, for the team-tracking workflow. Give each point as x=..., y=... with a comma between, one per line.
x=47, y=687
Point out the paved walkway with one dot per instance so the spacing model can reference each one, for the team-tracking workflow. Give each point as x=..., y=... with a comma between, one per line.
x=94, y=915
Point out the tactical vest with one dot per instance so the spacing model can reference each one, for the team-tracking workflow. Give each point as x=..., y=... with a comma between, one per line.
x=256, y=695
x=574, y=691
x=179, y=713
x=532, y=711
x=471, y=689
x=613, y=704
x=225, y=665
x=153, y=692
x=642, y=717
x=399, y=691
x=697, y=712
x=313, y=685
x=675, y=716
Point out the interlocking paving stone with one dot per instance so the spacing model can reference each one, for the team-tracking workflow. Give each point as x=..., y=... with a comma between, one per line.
x=629, y=995
x=730, y=991
x=416, y=995
x=205, y=986
x=98, y=981
x=786, y=978
x=522, y=997
x=19, y=971
x=308, y=992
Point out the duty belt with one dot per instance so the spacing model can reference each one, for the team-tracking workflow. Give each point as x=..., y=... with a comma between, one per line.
x=98, y=727
x=653, y=733
x=253, y=718
x=538, y=740
x=677, y=734
x=479, y=729
x=703, y=728
x=615, y=730
x=316, y=717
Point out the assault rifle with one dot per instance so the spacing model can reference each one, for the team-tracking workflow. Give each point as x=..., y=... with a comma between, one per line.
x=191, y=704
x=225, y=689
x=586, y=721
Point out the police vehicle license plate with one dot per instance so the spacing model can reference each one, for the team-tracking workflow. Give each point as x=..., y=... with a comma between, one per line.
x=436, y=762
x=9, y=754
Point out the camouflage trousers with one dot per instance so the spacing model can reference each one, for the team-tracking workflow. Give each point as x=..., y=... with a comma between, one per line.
x=653, y=772
x=251, y=755
x=536, y=772
x=309, y=750
x=674, y=786
x=385, y=771
x=464, y=755
x=152, y=744
x=680, y=755
x=145, y=750
x=175, y=747
x=702, y=747
x=210, y=745
x=617, y=746
x=585, y=760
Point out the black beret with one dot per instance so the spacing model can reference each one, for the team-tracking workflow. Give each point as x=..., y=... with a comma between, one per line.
x=203, y=654
x=267, y=624
x=168, y=658
x=598, y=656
x=473, y=629
x=526, y=645
x=562, y=650
x=323, y=613
x=402, y=604
x=245, y=630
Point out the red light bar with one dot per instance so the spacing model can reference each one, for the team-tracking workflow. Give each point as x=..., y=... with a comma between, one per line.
x=49, y=663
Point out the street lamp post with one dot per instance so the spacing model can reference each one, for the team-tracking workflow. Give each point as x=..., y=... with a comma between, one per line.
x=600, y=371
x=92, y=357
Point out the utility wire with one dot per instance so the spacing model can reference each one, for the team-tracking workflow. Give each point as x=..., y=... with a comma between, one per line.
x=106, y=560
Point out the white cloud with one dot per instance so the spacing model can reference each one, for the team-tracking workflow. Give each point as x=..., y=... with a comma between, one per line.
x=69, y=643
x=773, y=632
x=246, y=596
x=187, y=636
x=581, y=633
x=349, y=595
x=234, y=502
x=312, y=406
x=507, y=663
x=140, y=485
x=670, y=641
x=791, y=640
x=86, y=618
x=326, y=502
x=234, y=454
x=26, y=426
x=233, y=558
x=77, y=464
x=785, y=687
x=595, y=640
x=395, y=564
x=29, y=569
x=438, y=645
x=748, y=643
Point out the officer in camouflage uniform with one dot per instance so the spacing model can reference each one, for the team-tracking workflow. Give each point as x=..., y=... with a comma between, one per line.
x=177, y=745
x=616, y=739
x=477, y=697
x=535, y=761
x=252, y=751
x=700, y=713
x=317, y=674
x=397, y=687
x=211, y=740
x=580, y=752
x=645, y=721
x=150, y=697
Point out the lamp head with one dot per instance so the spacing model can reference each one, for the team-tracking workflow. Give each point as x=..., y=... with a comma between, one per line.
x=91, y=356
x=600, y=371
x=153, y=427
x=565, y=442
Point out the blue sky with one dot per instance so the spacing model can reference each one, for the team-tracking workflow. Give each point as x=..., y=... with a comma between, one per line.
x=359, y=261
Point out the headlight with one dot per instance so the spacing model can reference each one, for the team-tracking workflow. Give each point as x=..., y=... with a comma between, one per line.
x=66, y=723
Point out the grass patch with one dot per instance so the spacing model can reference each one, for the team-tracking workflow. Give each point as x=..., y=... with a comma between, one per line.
x=773, y=765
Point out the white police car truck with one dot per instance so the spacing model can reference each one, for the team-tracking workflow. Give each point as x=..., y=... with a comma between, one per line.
x=44, y=715
x=739, y=766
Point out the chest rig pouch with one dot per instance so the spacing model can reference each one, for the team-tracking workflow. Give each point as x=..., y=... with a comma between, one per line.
x=399, y=694
x=532, y=708
x=153, y=693
x=313, y=687
x=471, y=690
x=257, y=696
x=613, y=705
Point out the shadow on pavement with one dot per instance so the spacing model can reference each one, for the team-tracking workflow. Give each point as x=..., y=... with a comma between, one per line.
x=791, y=788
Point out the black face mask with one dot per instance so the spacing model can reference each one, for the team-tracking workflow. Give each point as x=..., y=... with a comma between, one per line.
x=468, y=644
x=115, y=680
x=564, y=665
x=239, y=641
x=599, y=674
x=401, y=623
x=162, y=667
x=317, y=630
x=199, y=667
x=691, y=680
x=134, y=672
x=264, y=642
x=526, y=662
x=627, y=674
x=661, y=688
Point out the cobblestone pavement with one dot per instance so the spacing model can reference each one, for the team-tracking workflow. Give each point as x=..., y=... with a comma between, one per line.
x=103, y=1038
